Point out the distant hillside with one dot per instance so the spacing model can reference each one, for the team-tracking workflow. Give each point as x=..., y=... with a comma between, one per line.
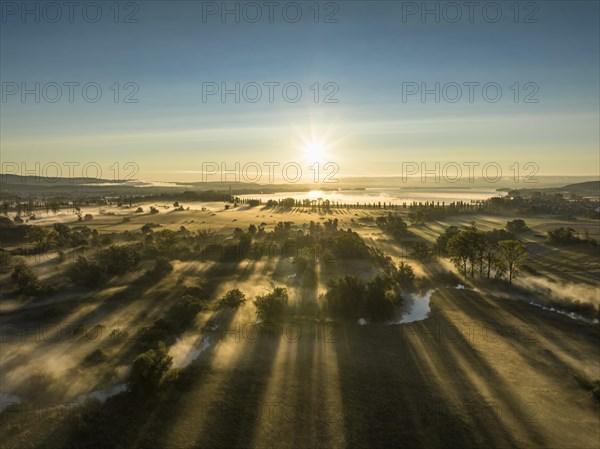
x=584, y=188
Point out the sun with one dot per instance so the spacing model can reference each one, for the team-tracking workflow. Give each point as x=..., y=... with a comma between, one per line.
x=315, y=151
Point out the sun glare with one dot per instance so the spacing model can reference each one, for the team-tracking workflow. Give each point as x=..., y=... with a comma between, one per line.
x=315, y=151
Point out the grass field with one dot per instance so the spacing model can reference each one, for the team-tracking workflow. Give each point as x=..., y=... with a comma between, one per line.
x=481, y=371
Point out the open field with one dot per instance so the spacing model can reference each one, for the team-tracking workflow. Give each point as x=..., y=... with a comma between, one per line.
x=481, y=370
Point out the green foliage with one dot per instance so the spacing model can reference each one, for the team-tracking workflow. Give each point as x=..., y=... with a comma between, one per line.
x=25, y=280
x=272, y=305
x=119, y=259
x=233, y=298
x=42, y=237
x=5, y=261
x=381, y=298
x=148, y=371
x=464, y=248
x=421, y=251
x=405, y=276
x=345, y=297
x=516, y=226
x=563, y=236
x=87, y=272
x=162, y=267
x=350, y=298
x=393, y=224
x=512, y=255
x=442, y=240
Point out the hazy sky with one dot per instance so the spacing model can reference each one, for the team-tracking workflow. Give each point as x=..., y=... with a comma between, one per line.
x=364, y=61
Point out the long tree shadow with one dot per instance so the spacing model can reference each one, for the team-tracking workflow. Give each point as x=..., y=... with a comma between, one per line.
x=410, y=383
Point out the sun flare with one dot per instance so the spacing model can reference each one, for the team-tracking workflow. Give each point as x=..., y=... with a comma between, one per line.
x=315, y=151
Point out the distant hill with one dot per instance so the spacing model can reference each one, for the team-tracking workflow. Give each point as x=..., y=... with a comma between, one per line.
x=586, y=189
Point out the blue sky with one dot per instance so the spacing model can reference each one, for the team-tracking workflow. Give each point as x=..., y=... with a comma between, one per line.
x=368, y=54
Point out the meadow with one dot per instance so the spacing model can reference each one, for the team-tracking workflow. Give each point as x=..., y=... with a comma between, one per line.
x=491, y=364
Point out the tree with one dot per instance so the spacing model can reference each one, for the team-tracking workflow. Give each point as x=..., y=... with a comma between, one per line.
x=233, y=298
x=346, y=296
x=442, y=241
x=119, y=259
x=272, y=305
x=162, y=266
x=405, y=276
x=512, y=254
x=25, y=280
x=516, y=226
x=148, y=370
x=421, y=251
x=563, y=236
x=465, y=248
x=87, y=272
x=43, y=238
x=5, y=261
x=381, y=298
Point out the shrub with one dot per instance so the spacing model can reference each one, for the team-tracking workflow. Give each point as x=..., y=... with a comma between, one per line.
x=233, y=298
x=25, y=280
x=87, y=272
x=381, y=298
x=148, y=370
x=272, y=305
x=516, y=226
x=119, y=259
x=345, y=297
x=405, y=276
x=5, y=261
x=162, y=266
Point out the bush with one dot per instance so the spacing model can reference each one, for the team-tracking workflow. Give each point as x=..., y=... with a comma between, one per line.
x=25, y=280
x=381, y=298
x=5, y=261
x=119, y=259
x=148, y=371
x=516, y=226
x=87, y=272
x=233, y=298
x=563, y=236
x=272, y=305
x=345, y=297
x=162, y=266
x=405, y=276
